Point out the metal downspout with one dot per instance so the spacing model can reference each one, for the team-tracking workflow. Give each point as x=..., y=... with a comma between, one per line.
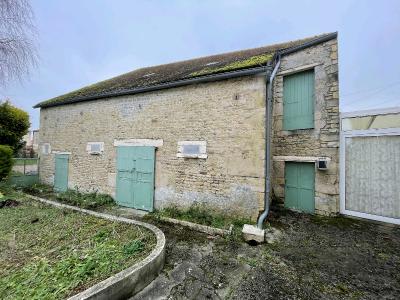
x=268, y=127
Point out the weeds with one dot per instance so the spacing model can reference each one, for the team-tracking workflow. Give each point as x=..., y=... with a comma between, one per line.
x=85, y=200
x=75, y=197
x=338, y=221
x=62, y=252
x=133, y=247
x=38, y=189
x=201, y=214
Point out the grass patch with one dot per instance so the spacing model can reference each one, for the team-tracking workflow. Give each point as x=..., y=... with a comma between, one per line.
x=201, y=214
x=49, y=253
x=338, y=221
x=72, y=197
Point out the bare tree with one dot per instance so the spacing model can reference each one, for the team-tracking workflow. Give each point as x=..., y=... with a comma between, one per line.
x=17, y=39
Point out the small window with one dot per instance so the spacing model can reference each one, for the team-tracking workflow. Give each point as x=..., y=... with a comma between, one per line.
x=95, y=148
x=298, y=101
x=46, y=149
x=192, y=149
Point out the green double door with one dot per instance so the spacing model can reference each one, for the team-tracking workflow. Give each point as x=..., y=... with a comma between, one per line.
x=61, y=172
x=135, y=177
x=299, y=186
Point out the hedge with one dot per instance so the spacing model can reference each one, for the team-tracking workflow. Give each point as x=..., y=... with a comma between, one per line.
x=6, y=161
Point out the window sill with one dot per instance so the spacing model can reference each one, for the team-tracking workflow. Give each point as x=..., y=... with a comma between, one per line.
x=180, y=155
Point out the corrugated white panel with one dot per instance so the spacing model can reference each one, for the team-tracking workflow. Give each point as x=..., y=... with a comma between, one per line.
x=372, y=175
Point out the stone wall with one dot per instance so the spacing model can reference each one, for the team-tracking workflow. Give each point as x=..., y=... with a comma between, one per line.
x=228, y=115
x=323, y=140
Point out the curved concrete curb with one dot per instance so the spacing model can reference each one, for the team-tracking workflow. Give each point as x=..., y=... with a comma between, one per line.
x=131, y=280
x=199, y=227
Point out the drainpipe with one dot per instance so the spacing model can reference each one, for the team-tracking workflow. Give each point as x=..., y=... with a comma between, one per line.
x=268, y=128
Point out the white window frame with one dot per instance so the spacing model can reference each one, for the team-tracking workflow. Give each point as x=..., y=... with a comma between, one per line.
x=90, y=151
x=202, y=149
x=44, y=145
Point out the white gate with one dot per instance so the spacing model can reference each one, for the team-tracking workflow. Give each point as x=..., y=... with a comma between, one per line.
x=370, y=165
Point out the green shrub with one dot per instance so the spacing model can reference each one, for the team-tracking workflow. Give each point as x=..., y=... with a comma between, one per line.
x=14, y=124
x=6, y=188
x=6, y=161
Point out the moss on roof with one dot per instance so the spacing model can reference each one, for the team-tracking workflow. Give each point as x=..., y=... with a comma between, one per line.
x=256, y=60
x=157, y=75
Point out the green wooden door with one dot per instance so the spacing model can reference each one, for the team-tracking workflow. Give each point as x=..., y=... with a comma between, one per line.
x=135, y=177
x=299, y=186
x=125, y=172
x=61, y=172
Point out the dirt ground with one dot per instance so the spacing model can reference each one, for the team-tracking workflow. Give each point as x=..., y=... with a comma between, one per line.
x=312, y=258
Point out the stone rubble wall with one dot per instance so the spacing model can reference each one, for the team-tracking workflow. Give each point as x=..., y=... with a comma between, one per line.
x=228, y=115
x=323, y=139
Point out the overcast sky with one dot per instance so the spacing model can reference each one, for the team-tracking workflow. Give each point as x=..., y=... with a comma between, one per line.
x=82, y=42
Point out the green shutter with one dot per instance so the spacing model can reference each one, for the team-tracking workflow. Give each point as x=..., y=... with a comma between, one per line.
x=299, y=186
x=298, y=101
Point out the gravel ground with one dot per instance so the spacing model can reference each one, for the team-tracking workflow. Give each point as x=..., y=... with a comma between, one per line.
x=311, y=258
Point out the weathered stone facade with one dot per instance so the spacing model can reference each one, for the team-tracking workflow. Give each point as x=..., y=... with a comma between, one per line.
x=229, y=115
x=323, y=139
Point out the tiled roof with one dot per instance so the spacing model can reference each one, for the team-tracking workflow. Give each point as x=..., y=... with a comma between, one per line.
x=188, y=69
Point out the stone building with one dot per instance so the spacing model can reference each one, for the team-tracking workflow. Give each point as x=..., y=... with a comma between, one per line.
x=196, y=132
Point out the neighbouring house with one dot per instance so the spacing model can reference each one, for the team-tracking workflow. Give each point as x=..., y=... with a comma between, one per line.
x=197, y=131
x=35, y=140
x=31, y=144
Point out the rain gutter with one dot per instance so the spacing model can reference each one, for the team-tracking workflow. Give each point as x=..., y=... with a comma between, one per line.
x=268, y=126
x=167, y=85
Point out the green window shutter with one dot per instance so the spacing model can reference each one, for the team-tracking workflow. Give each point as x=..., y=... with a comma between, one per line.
x=298, y=101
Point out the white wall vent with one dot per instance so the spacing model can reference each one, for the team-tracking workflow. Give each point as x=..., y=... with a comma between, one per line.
x=95, y=148
x=192, y=149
